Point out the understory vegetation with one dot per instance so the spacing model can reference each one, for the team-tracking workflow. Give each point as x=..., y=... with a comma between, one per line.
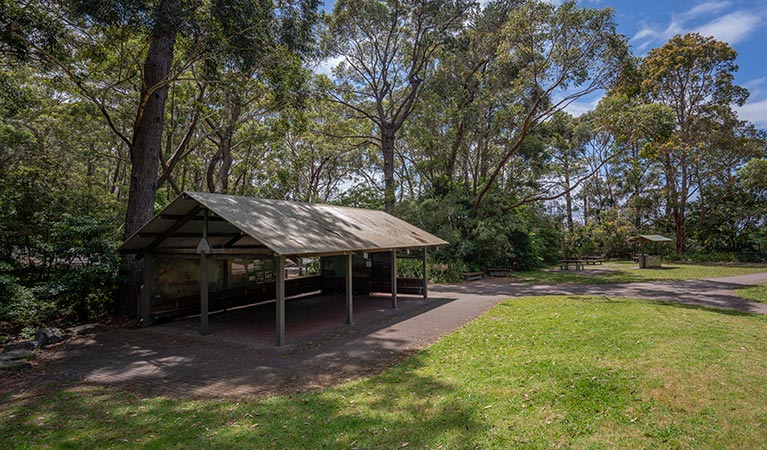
x=542, y=372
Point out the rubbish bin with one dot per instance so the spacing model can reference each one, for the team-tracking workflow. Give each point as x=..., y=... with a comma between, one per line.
x=643, y=261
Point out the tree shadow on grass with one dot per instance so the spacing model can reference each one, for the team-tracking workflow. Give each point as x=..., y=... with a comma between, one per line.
x=609, y=299
x=384, y=412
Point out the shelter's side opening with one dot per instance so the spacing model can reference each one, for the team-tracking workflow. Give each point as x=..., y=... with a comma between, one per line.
x=235, y=281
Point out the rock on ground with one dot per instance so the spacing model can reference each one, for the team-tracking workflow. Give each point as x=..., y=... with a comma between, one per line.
x=15, y=354
x=21, y=345
x=15, y=364
x=47, y=336
x=89, y=328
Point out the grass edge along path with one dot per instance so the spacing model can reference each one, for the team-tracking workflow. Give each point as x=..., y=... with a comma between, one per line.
x=757, y=293
x=620, y=272
x=535, y=372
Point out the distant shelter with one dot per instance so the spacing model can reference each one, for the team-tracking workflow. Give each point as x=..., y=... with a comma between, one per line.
x=654, y=260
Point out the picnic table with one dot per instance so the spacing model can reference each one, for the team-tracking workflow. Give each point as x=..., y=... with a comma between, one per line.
x=564, y=264
x=594, y=259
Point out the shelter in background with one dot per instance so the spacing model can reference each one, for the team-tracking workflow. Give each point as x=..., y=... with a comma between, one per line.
x=650, y=260
x=207, y=252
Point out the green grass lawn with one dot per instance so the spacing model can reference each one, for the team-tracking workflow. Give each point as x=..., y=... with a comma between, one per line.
x=543, y=372
x=621, y=272
x=754, y=293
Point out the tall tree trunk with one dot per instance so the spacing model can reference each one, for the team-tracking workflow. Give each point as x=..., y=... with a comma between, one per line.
x=680, y=214
x=221, y=184
x=680, y=232
x=218, y=175
x=568, y=200
x=147, y=143
x=387, y=147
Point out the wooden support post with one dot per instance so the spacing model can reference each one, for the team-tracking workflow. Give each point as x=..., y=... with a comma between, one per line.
x=203, y=294
x=280, y=319
x=203, y=249
x=349, y=289
x=146, y=292
x=394, y=279
x=425, y=274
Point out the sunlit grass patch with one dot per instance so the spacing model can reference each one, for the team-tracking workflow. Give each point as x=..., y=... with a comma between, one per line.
x=754, y=293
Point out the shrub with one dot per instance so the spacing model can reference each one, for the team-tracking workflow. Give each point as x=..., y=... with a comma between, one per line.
x=19, y=307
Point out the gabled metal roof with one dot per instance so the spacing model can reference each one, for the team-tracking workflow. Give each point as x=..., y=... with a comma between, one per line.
x=652, y=238
x=286, y=228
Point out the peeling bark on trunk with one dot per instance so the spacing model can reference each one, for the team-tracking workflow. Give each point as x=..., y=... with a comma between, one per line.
x=387, y=147
x=568, y=201
x=147, y=145
x=220, y=166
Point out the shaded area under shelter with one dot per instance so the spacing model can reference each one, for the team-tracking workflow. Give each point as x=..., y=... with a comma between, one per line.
x=214, y=252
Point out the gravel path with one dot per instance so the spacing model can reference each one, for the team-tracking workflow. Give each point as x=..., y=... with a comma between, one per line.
x=162, y=360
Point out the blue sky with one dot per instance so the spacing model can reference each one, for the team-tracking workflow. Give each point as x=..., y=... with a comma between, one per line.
x=650, y=23
x=741, y=23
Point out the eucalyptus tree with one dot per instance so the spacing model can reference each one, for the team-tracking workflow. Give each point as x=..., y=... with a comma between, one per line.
x=694, y=76
x=387, y=49
x=468, y=102
x=636, y=132
x=567, y=155
x=560, y=54
x=306, y=161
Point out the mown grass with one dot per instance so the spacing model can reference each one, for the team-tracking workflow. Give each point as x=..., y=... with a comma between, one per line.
x=754, y=293
x=543, y=372
x=621, y=272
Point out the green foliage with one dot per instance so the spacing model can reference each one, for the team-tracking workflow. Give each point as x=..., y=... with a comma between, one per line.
x=18, y=305
x=500, y=238
x=709, y=256
x=57, y=248
x=84, y=283
x=451, y=272
x=607, y=236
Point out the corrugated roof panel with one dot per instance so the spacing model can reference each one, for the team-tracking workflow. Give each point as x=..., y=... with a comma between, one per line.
x=292, y=228
x=653, y=238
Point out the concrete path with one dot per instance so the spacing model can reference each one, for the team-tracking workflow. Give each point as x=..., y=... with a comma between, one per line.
x=169, y=360
x=711, y=292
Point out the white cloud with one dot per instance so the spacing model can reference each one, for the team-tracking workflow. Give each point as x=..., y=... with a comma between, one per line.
x=755, y=112
x=704, y=8
x=705, y=18
x=326, y=66
x=731, y=28
x=757, y=87
x=584, y=104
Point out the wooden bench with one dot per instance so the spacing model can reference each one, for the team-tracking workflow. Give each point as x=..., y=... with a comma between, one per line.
x=564, y=264
x=472, y=276
x=411, y=286
x=499, y=273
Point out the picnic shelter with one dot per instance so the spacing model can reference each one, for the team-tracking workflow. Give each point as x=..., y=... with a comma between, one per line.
x=210, y=252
